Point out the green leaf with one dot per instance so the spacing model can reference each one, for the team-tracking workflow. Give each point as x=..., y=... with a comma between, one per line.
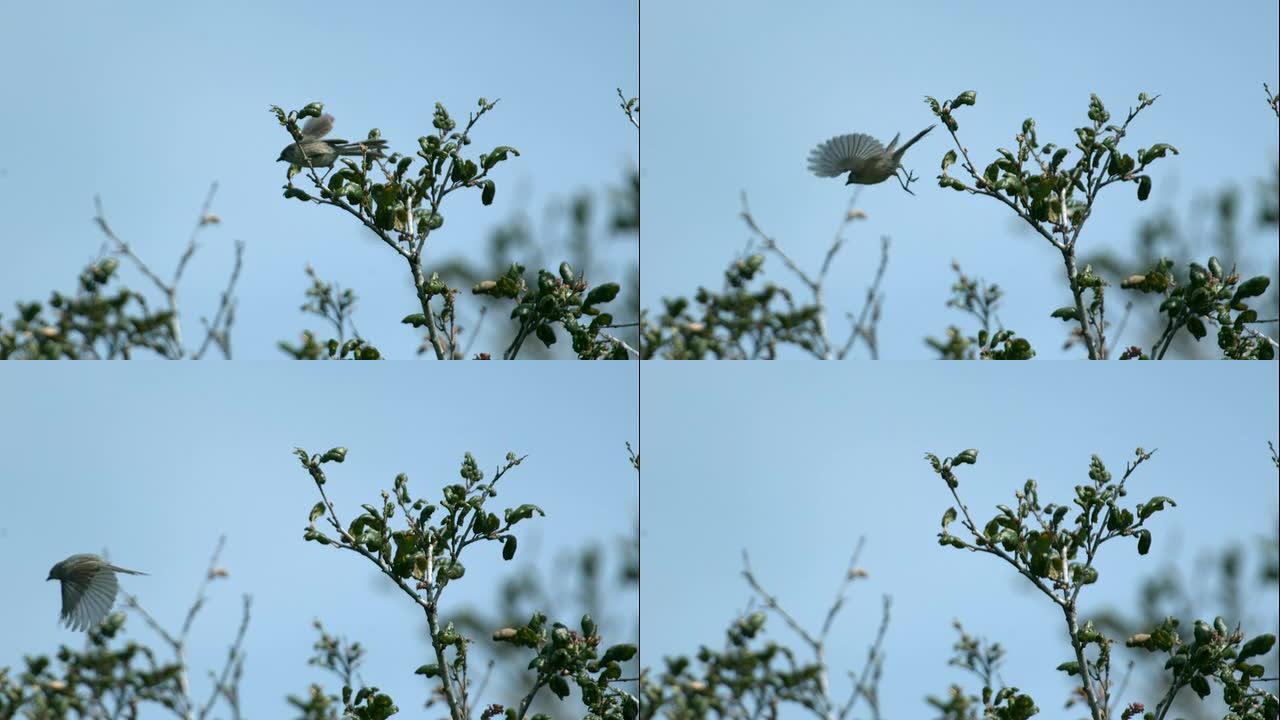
x=428, y=670
x=1144, y=541
x=523, y=512
x=1065, y=313
x=337, y=455
x=1252, y=287
x=619, y=653
x=1200, y=686
x=968, y=97
x=1257, y=646
x=509, y=547
x=966, y=457
x=1083, y=574
x=545, y=334
x=1144, y=187
x=948, y=517
x=1196, y=327
x=1156, y=151
x=1203, y=633
x=1154, y=505
x=498, y=155
x=948, y=160
x=487, y=191
x=602, y=293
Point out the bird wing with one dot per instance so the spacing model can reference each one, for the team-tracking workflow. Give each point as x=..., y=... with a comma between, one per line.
x=87, y=597
x=317, y=127
x=843, y=153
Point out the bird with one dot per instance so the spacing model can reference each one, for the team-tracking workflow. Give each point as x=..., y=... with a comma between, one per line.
x=88, y=589
x=324, y=153
x=862, y=156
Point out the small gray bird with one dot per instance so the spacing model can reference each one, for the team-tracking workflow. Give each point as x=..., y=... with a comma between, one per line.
x=324, y=153
x=88, y=589
x=862, y=156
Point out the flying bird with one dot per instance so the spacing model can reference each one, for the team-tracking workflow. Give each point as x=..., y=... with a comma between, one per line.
x=862, y=156
x=88, y=589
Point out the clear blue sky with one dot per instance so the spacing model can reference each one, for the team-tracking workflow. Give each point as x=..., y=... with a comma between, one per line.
x=153, y=463
x=737, y=93
x=794, y=469
x=146, y=104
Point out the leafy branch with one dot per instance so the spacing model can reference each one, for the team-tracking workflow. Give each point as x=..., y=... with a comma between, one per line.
x=336, y=306
x=99, y=321
x=1056, y=199
x=403, y=210
x=105, y=680
x=744, y=323
x=424, y=557
x=1057, y=556
x=992, y=341
x=750, y=679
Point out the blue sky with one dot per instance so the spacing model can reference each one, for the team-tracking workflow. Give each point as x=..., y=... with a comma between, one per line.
x=794, y=469
x=737, y=93
x=153, y=464
x=146, y=104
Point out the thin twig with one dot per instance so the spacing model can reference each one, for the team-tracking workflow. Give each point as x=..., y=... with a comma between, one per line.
x=226, y=684
x=630, y=106
x=218, y=331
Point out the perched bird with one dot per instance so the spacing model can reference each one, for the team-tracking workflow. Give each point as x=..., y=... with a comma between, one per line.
x=862, y=156
x=324, y=153
x=88, y=589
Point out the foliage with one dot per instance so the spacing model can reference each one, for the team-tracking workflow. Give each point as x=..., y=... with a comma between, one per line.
x=1055, y=196
x=1053, y=190
x=742, y=322
x=114, y=677
x=572, y=229
x=581, y=581
x=1215, y=226
x=103, y=319
x=1057, y=554
x=753, y=676
x=1208, y=295
x=403, y=209
x=1228, y=580
x=424, y=556
x=564, y=299
x=992, y=341
x=336, y=306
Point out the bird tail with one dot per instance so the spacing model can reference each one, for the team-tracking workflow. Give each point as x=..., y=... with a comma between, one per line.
x=123, y=570
x=373, y=148
x=913, y=140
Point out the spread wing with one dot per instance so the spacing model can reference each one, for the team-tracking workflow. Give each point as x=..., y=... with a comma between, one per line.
x=843, y=153
x=87, y=597
x=317, y=127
